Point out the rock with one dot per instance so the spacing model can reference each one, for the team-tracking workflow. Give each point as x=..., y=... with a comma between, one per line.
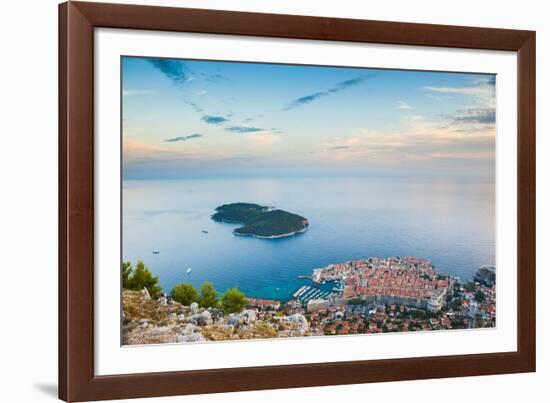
x=235, y=320
x=172, y=316
x=216, y=314
x=194, y=307
x=205, y=318
x=145, y=294
x=249, y=316
x=195, y=319
x=189, y=328
x=143, y=323
x=190, y=333
x=163, y=300
x=191, y=338
x=301, y=320
x=181, y=317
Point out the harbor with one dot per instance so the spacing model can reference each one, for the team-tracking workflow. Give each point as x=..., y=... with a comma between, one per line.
x=310, y=292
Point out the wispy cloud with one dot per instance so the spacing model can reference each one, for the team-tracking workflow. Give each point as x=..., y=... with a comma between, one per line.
x=213, y=77
x=420, y=139
x=179, y=72
x=341, y=86
x=131, y=93
x=214, y=120
x=243, y=129
x=265, y=138
x=184, y=138
x=475, y=115
x=482, y=91
x=175, y=70
x=195, y=106
x=403, y=105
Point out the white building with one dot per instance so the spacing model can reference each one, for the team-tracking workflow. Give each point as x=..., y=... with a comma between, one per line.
x=313, y=305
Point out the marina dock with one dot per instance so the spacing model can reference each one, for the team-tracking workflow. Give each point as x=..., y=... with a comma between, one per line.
x=306, y=293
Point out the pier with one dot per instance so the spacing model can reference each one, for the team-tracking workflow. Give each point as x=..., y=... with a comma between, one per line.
x=307, y=292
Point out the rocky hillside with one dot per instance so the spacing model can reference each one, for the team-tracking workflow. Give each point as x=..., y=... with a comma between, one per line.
x=148, y=321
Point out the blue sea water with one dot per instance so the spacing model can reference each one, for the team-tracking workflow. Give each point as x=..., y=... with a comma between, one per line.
x=450, y=223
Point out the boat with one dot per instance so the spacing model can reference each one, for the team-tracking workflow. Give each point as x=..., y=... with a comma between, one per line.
x=188, y=271
x=156, y=252
x=205, y=231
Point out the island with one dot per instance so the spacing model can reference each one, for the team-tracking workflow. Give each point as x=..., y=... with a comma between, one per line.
x=260, y=221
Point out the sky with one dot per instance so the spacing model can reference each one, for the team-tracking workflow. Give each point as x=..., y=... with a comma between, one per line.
x=200, y=119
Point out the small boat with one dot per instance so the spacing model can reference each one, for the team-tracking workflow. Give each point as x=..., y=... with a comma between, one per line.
x=205, y=231
x=156, y=252
x=188, y=271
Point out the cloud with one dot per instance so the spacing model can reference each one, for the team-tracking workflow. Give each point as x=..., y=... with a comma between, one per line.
x=179, y=73
x=175, y=70
x=243, y=129
x=184, y=138
x=214, y=120
x=403, y=105
x=213, y=77
x=341, y=86
x=475, y=115
x=482, y=91
x=270, y=135
x=195, y=106
x=259, y=136
x=131, y=93
x=419, y=139
x=135, y=151
x=265, y=138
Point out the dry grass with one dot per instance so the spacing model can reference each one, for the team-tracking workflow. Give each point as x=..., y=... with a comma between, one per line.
x=135, y=308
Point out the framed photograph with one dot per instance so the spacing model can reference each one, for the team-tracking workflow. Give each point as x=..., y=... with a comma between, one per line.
x=256, y=201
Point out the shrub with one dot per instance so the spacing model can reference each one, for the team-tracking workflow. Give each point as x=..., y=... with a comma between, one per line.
x=209, y=296
x=470, y=287
x=126, y=273
x=479, y=296
x=185, y=294
x=233, y=300
x=139, y=278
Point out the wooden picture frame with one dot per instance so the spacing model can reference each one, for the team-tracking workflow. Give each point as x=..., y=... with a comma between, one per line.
x=77, y=21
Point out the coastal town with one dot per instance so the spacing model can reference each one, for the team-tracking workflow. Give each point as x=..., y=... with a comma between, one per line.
x=375, y=295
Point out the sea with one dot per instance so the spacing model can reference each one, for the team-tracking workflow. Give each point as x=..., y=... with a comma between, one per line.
x=451, y=223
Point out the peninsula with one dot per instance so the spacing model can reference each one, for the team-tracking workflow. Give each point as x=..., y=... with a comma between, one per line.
x=260, y=221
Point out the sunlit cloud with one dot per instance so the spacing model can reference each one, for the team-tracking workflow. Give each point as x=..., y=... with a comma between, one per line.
x=481, y=91
x=419, y=140
x=403, y=105
x=265, y=139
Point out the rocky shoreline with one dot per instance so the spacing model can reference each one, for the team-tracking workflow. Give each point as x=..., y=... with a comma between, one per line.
x=274, y=236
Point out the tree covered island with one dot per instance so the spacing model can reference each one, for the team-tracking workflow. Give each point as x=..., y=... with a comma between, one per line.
x=260, y=221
